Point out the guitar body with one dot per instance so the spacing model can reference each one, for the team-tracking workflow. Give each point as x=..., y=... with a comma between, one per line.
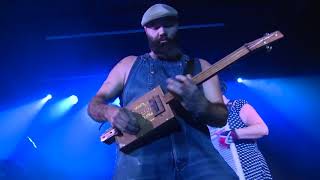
x=152, y=114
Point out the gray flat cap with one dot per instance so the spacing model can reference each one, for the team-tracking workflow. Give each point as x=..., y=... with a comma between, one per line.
x=158, y=11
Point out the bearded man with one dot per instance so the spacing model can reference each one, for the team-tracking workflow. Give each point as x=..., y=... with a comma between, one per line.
x=185, y=152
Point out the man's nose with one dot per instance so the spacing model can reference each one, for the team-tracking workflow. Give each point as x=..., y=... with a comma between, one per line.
x=161, y=30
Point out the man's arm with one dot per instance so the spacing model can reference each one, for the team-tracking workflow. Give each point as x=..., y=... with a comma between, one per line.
x=212, y=92
x=112, y=87
x=206, y=107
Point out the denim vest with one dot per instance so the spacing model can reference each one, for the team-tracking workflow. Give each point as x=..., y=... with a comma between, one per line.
x=170, y=154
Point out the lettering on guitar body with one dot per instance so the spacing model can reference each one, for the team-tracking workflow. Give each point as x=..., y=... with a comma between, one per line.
x=145, y=111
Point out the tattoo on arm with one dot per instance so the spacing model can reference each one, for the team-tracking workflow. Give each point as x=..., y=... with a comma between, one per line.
x=97, y=109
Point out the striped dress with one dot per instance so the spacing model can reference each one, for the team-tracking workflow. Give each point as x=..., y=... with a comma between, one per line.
x=244, y=157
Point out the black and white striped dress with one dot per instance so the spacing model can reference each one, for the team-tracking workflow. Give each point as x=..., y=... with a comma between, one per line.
x=252, y=161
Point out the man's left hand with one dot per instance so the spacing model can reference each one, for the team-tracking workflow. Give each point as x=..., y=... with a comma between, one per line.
x=191, y=97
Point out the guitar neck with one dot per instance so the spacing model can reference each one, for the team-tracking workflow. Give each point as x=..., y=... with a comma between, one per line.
x=218, y=66
x=231, y=58
x=214, y=69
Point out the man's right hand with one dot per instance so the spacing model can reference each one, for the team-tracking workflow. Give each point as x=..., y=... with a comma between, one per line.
x=124, y=120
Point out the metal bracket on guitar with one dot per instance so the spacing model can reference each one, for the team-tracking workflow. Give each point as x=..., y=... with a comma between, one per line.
x=109, y=136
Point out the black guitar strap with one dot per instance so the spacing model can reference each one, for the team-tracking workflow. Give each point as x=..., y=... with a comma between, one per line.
x=189, y=68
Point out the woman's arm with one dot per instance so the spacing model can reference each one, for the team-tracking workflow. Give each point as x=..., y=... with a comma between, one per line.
x=256, y=126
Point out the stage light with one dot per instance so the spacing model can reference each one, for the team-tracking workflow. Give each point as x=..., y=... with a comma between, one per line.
x=73, y=99
x=15, y=123
x=62, y=106
x=47, y=98
x=239, y=80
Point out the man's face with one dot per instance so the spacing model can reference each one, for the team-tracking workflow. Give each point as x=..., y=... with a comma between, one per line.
x=161, y=34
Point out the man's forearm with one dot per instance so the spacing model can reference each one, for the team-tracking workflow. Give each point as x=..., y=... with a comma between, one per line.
x=216, y=114
x=97, y=109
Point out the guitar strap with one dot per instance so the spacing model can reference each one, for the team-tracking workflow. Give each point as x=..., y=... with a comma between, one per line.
x=189, y=68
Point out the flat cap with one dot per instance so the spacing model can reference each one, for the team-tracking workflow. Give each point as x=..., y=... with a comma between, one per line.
x=158, y=11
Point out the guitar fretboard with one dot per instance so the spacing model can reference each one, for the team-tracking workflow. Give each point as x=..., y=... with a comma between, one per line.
x=214, y=69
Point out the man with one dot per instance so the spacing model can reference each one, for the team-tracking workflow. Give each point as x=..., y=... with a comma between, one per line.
x=187, y=151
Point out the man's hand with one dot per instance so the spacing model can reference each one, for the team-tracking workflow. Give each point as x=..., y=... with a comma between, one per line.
x=192, y=98
x=124, y=120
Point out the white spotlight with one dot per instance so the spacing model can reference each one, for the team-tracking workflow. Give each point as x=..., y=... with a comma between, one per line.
x=47, y=98
x=239, y=80
x=73, y=99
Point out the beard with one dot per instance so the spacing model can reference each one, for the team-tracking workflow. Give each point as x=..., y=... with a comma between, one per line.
x=165, y=47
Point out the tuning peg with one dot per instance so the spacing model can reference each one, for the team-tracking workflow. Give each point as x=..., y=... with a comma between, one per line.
x=265, y=35
x=269, y=48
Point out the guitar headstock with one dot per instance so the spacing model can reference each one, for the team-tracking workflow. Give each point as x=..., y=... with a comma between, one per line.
x=265, y=40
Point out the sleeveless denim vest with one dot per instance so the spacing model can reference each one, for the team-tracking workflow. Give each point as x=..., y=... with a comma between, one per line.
x=171, y=153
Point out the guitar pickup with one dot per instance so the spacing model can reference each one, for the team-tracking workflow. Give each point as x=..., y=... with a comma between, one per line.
x=156, y=105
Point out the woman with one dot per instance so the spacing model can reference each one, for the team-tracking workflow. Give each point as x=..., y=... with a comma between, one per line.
x=236, y=142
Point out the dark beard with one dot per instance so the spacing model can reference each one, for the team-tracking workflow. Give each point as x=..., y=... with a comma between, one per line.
x=165, y=50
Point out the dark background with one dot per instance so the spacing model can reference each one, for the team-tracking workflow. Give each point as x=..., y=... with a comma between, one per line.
x=32, y=64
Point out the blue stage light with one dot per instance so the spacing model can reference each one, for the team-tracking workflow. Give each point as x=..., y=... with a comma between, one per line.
x=239, y=80
x=73, y=99
x=62, y=106
x=47, y=98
